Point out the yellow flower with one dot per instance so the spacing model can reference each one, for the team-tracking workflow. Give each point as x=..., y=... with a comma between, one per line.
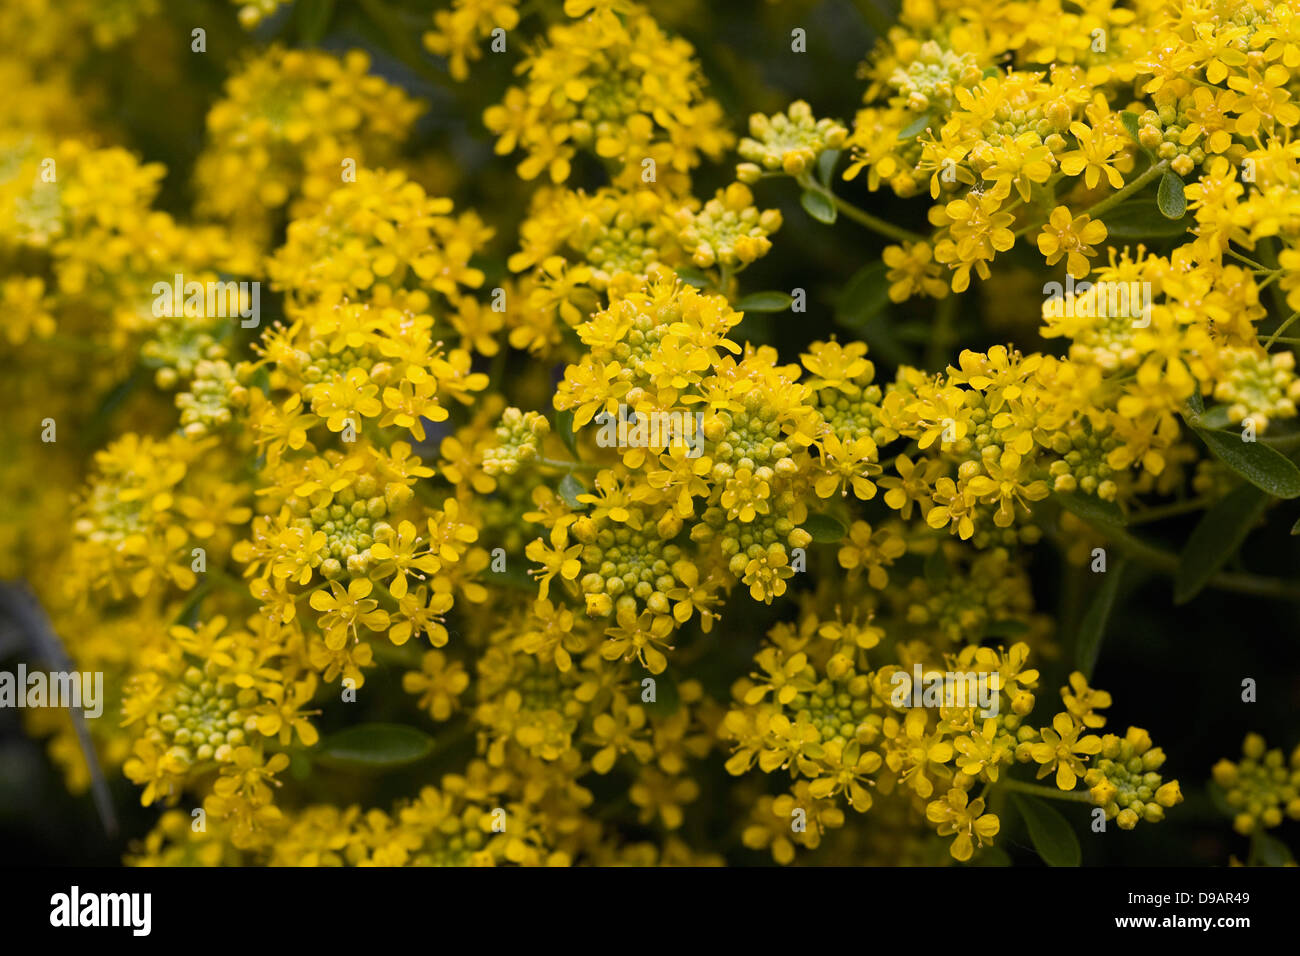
x=1071, y=238
x=956, y=813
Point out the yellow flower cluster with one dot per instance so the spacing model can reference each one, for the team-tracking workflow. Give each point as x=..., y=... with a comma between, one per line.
x=1262, y=787
x=545, y=476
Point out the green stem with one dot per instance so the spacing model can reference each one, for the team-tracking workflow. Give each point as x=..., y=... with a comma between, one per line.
x=1161, y=512
x=1115, y=198
x=1167, y=562
x=1038, y=790
x=1246, y=259
x=1268, y=253
x=1268, y=343
x=566, y=465
x=875, y=224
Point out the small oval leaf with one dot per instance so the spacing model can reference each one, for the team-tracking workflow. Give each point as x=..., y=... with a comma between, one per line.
x=825, y=529
x=916, y=127
x=818, y=205
x=1263, y=466
x=764, y=302
x=826, y=165
x=374, y=747
x=694, y=277
x=1051, y=833
x=1170, y=196
x=570, y=488
x=1130, y=121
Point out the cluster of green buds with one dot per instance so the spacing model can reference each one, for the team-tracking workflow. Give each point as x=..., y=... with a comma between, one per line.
x=352, y=520
x=929, y=83
x=633, y=568
x=519, y=435
x=1164, y=131
x=204, y=723
x=789, y=142
x=206, y=407
x=1261, y=787
x=176, y=346
x=1083, y=463
x=729, y=230
x=1258, y=386
x=1123, y=781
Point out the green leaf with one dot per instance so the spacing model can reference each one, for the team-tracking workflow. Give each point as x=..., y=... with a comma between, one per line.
x=313, y=19
x=1131, y=121
x=694, y=277
x=826, y=165
x=825, y=529
x=374, y=747
x=764, y=302
x=1263, y=466
x=1215, y=538
x=1140, y=218
x=564, y=428
x=818, y=205
x=864, y=296
x=916, y=127
x=1295, y=528
x=1170, y=196
x=991, y=856
x=570, y=488
x=1092, y=509
x=1051, y=833
x=1215, y=418
x=1093, y=626
x=1270, y=851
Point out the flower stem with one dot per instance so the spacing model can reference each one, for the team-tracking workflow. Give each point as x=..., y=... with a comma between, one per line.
x=1038, y=790
x=1115, y=198
x=1170, y=510
x=1161, y=560
x=566, y=465
x=875, y=224
x=1268, y=343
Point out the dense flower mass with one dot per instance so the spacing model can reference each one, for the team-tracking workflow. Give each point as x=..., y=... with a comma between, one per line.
x=392, y=473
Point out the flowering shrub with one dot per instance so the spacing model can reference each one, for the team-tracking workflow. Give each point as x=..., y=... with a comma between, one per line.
x=527, y=526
